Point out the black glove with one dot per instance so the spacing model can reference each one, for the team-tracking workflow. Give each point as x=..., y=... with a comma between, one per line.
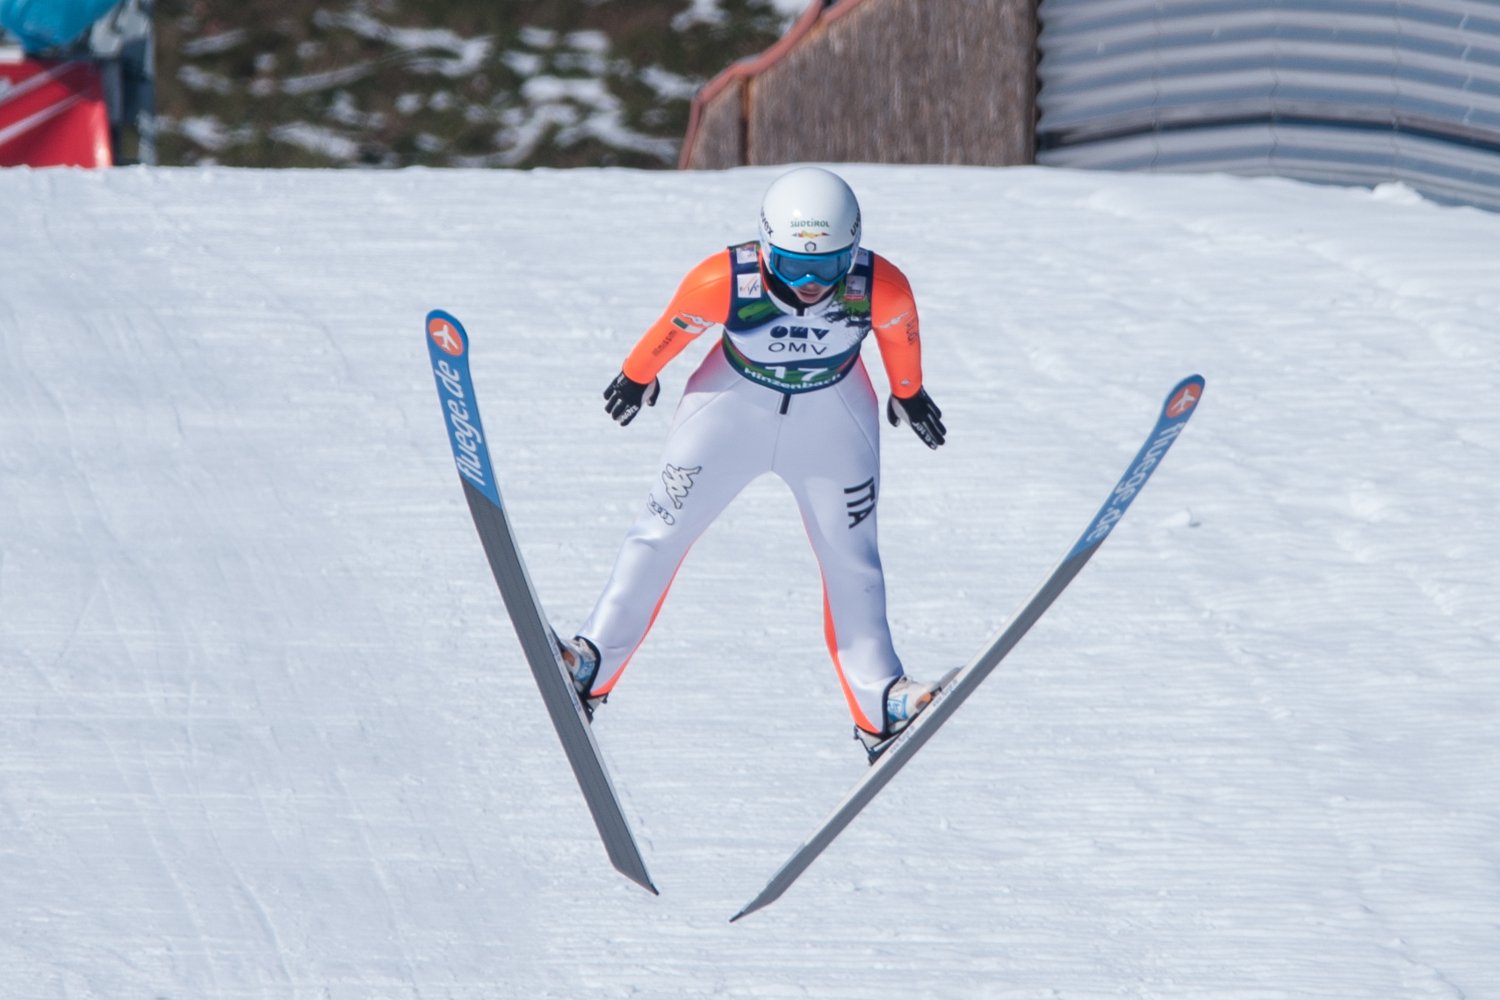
x=623, y=398
x=923, y=415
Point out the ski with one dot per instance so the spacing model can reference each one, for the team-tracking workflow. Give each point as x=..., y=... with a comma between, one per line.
x=448, y=347
x=1175, y=412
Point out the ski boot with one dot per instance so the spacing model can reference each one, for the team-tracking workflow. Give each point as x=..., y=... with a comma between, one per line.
x=904, y=701
x=580, y=658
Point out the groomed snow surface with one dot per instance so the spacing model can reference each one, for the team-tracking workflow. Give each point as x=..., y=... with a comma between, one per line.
x=265, y=731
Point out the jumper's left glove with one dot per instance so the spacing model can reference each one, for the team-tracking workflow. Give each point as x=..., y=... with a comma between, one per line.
x=922, y=414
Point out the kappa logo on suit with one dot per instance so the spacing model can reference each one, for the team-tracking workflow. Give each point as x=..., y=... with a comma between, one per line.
x=679, y=482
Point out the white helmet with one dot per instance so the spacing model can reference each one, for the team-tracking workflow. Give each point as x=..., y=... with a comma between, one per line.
x=809, y=227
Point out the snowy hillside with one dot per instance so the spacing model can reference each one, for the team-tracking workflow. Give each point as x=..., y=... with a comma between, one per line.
x=453, y=83
x=265, y=731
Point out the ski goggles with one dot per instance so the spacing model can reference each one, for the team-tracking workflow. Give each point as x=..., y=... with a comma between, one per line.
x=798, y=269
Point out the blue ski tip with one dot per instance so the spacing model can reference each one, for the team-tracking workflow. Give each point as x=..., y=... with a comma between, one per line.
x=1183, y=398
x=1181, y=403
x=448, y=349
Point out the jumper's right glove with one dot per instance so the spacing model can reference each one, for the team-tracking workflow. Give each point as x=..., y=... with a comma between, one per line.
x=623, y=398
x=922, y=414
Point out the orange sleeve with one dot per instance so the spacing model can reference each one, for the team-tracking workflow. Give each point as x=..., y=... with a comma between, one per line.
x=893, y=316
x=701, y=303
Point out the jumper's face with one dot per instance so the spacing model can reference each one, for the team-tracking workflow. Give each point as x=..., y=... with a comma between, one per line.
x=811, y=292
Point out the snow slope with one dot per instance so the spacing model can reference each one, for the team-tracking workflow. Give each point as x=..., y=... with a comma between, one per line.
x=265, y=732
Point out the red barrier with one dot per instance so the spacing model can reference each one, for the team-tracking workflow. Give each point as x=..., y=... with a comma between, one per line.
x=52, y=114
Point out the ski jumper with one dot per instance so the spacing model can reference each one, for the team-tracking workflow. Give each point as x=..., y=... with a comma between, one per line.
x=785, y=392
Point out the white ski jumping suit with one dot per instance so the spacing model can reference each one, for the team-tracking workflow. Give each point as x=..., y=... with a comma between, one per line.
x=784, y=393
